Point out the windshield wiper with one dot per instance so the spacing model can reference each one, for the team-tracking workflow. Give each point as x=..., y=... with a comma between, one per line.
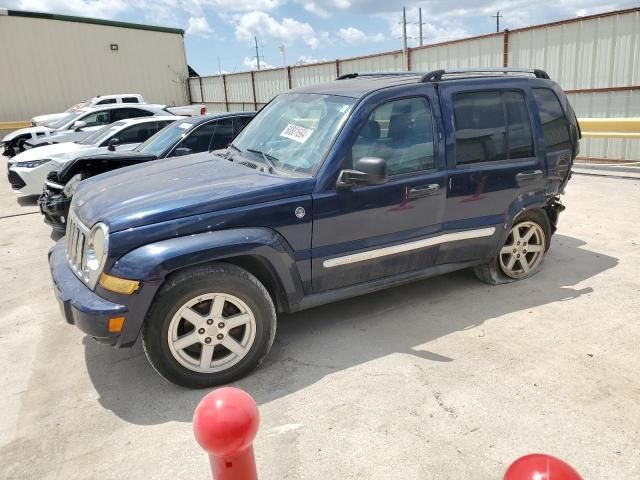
x=265, y=157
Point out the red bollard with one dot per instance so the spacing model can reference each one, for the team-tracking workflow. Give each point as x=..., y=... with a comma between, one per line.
x=225, y=423
x=539, y=466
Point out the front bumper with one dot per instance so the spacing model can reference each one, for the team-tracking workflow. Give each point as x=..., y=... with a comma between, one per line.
x=33, y=178
x=79, y=305
x=55, y=208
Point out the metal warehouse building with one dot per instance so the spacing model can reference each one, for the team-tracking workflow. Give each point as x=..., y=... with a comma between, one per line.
x=50, y=62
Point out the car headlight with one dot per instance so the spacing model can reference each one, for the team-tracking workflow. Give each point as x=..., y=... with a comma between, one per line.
x=70, y=188
x=32, y=163
x=96, y=253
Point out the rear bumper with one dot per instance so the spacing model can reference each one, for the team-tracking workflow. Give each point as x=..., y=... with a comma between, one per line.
x=79, y=305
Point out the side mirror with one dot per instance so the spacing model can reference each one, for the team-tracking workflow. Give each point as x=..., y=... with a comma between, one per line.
x=113, y=143
x=367, y=171
x=79, y=125
x=180, y=151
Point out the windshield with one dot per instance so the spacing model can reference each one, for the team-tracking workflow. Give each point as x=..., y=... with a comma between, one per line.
x=164, y=139
x=77, y=106
x=62, y=121
x=97, y=137
x=295, y=130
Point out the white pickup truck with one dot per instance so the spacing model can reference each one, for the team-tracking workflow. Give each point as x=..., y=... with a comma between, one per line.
x=14, y=142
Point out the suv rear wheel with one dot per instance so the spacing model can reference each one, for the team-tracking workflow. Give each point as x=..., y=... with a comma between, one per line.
x=209, y=325
x=522, y=254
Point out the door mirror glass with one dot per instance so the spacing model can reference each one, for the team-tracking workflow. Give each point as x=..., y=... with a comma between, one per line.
x=79, y=125
x=180, y=151
x=367, y=171
x=113, y=143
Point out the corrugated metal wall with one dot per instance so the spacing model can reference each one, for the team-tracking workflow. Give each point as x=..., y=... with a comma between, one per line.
x=599, y=52
x=474, y=52
x=49, y=65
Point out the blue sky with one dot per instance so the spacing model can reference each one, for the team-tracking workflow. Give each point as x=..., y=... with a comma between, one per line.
x=223, y=30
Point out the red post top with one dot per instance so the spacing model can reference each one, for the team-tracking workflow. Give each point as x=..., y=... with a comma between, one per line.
x=539, y=466
x=225, y=422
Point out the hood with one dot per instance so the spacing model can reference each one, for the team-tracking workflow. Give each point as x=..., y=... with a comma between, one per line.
x=25, y=131
x=178, y=187
x=48, y=151
x=47, y=118
x=91, y=151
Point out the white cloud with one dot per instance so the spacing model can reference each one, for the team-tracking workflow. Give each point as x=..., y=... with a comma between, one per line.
x=307, y=59
x=263, y=25
x=353, y=36
x=326, y=8
x=199, y=26
x=252, y=64
x=87, y=8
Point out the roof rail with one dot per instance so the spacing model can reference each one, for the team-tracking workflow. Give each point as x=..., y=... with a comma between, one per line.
x=377, y=74
x=436, y=75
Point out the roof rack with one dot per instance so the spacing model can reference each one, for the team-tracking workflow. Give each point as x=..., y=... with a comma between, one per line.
x=347, y=76
x=436, y=75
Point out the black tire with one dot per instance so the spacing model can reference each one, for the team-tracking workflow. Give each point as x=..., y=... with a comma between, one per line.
x=491, y=272
x=183, y=286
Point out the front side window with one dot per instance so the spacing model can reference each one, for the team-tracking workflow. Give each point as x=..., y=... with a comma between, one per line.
x=161, y=142
x=124, y=113
x=97, y=118
x=106, y=101
x=137, y=133
x=102, y=135
x=295, y=130
x=198, y=140
x=223, y=134
x=401, y=132
x=554, y=122
x=491, y=126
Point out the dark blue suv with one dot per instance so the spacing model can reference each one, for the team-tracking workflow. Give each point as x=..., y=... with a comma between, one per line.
x=331, y=191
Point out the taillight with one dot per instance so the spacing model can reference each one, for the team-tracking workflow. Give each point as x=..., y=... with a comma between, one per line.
x=203, y=110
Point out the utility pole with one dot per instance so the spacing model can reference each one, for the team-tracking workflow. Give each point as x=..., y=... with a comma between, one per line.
x=257, y=52
x=284, y=55
x=497, y=16
x=420, y=23
x=404, y=38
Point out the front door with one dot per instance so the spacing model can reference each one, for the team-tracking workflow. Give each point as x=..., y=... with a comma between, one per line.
x=370, y=232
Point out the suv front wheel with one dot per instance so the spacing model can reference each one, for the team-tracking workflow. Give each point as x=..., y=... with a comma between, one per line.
x=522, y=254
x=209, y=325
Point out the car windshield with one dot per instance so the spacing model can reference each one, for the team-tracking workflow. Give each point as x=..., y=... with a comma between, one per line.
x=295, y=130
x=164, y=139
x=62, y=121
x=77, y=106
x=97, y=137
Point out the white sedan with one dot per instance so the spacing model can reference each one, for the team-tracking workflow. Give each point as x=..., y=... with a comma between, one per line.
x=28, y=170
x=83, y=120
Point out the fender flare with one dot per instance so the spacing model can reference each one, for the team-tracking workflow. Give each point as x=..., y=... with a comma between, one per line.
x=152, y=263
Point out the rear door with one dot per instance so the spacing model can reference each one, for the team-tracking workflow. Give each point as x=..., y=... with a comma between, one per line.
x=493, y=166
x=366, y=233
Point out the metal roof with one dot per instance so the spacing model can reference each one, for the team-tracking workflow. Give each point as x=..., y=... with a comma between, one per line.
x=94, y=21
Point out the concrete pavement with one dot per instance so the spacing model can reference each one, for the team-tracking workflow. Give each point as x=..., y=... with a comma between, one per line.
x=442, y=379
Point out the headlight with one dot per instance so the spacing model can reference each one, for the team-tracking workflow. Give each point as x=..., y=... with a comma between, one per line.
x=96, y=253
x=32, y=163
x=70, y=188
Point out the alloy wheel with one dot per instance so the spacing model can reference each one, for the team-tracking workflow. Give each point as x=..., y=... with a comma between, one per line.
x=523, y=250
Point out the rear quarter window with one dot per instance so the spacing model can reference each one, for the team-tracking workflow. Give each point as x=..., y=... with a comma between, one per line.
x=554, y=122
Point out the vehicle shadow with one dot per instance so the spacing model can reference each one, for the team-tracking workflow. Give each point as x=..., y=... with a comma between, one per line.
x=315, y=343
x=28, y=200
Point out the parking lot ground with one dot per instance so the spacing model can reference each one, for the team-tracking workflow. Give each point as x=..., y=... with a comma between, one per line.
x=447, y=378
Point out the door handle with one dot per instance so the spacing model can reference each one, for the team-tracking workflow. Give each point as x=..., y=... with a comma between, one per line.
x=423, y=191
x=529, y=175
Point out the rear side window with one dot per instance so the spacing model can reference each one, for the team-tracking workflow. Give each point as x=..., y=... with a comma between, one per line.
x=491, y=126
x=124, y=113
x=401, y=132
x=554, y=122
x=130, y=100
x=106, y=101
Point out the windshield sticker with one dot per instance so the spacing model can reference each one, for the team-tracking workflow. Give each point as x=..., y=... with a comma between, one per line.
x=294, y=132
x=184, y=126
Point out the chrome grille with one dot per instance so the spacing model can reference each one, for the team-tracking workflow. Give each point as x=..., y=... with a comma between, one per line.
x=77, y=235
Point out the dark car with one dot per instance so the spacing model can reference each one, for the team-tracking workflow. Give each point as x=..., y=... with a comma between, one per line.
x=331, y=191
x=189, y=135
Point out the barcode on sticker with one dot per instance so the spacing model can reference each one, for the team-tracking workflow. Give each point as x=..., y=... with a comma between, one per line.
x=294, y=132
